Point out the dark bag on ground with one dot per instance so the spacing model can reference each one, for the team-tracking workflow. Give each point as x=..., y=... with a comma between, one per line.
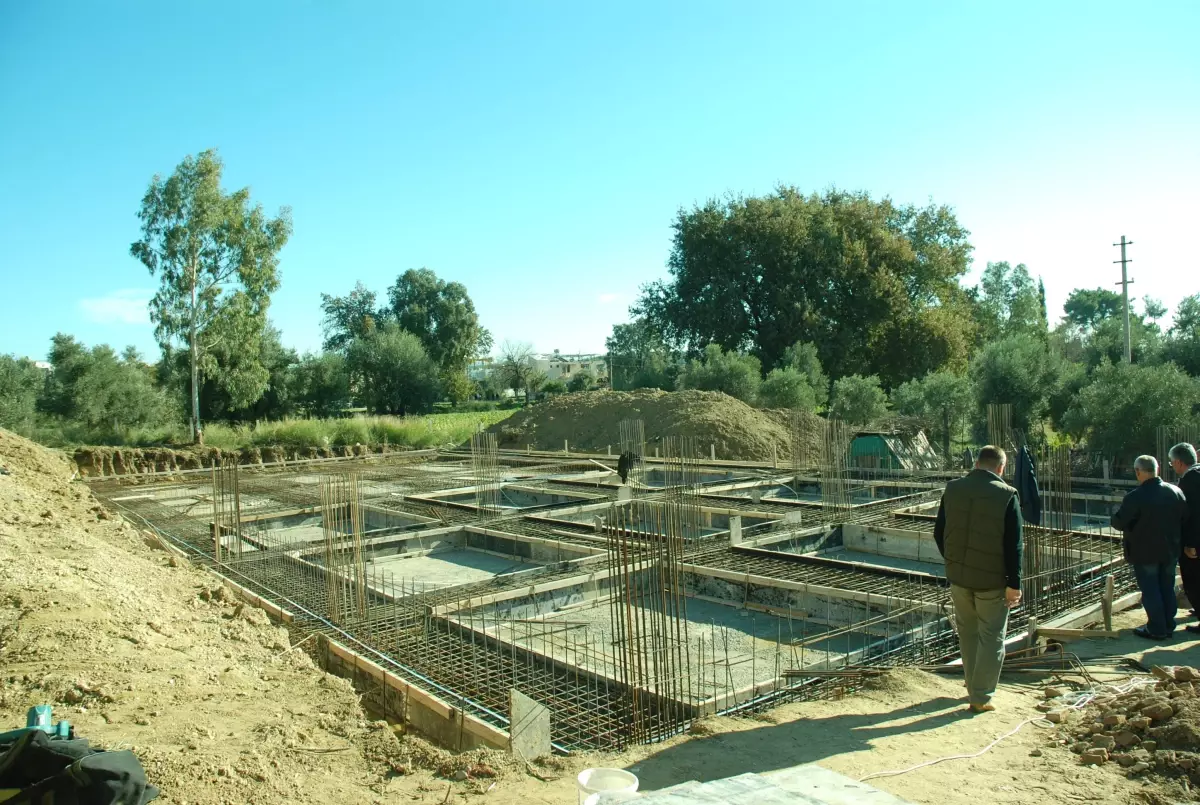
x=37, y=770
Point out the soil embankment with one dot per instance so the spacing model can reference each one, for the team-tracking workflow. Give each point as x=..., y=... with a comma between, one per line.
x=590, y=421
x=137, y=649
x=102, y=462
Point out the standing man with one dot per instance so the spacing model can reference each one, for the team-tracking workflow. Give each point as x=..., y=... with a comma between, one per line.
x=1183, y=461
x=1151, y=517
x=978, y=532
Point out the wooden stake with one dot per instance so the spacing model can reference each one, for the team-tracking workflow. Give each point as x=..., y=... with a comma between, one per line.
x=1106, y=602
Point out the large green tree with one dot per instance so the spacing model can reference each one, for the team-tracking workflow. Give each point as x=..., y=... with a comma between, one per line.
x=216, y=256
x=1183, y=341
x=345, y=318
x=640, y=358
x=1087, y=307
x=69, y=361
x=320, y=384
x=787, y=388
x=730, y=372
x=941, y=401
x=1106, y=341
x=873, y=284
x=116, y=393
x=442, y=315
x=806, y=360
x=1019, y=370
x=242, y=379
x=857, y=400
x=99, y=388
x=20, y=383
x=1119, y=411
x=1009, y=302
x=391, y=371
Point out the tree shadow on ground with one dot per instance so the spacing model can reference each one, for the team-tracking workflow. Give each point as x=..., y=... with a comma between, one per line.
x=781, y=746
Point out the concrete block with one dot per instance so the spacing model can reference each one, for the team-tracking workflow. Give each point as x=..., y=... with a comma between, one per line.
x=735, y=529
x=793, y=517
x=624, y=492
x=529, y=726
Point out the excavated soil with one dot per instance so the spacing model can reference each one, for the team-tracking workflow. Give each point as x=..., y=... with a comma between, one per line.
x=590, y=421
x=1151, y=733
x=99, y=462
x=141, y=651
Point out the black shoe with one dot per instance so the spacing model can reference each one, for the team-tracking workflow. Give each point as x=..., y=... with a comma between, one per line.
x=1142, y=632
x=1194, y=628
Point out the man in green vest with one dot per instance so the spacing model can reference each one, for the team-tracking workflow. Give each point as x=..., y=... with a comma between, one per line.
x=978, y=531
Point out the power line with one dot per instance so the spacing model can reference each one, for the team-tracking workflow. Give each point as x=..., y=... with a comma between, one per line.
x=1125, y=283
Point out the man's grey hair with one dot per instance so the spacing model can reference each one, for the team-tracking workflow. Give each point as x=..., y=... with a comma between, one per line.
x=991, y=458
x=1184, y=453
x=1147, y=464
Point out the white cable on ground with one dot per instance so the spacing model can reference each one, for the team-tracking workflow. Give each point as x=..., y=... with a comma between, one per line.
x=1082, y=699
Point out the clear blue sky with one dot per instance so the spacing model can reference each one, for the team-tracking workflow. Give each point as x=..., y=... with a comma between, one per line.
x=538, y=151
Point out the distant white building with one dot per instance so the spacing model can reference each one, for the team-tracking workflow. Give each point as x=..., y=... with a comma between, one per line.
x=480, y=368
x=555, y=365
x=558, y=366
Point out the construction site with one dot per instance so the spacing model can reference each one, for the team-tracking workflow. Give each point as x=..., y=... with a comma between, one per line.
x=446, y=584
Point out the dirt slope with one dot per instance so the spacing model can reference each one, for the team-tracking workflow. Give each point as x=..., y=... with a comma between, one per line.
x=591, y=421
x=141, y=651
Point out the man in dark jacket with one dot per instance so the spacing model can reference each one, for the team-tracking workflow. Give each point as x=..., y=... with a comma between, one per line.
x=1187, y=468
x=1151, y=517
x=978, y=532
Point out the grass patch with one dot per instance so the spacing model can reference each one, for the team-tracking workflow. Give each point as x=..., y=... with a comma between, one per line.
x=434, y=430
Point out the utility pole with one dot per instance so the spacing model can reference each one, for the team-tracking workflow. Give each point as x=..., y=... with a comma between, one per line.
x=1125, y=283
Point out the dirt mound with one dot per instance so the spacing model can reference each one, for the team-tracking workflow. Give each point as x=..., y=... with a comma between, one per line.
x=590, y=421
x=139, y=650
x=100, y=462
x=1151, y=732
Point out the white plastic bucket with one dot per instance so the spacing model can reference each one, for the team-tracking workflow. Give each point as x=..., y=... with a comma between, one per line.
x=597, y=781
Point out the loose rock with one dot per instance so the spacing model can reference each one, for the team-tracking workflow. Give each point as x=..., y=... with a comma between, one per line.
x=1158, y=712
x=1126, y=738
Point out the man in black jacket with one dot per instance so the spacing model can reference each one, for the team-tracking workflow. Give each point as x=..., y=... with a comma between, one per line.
x=1151, y=518
x=1183, y=461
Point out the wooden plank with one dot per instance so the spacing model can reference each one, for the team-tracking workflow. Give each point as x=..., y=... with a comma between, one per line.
x=1072, y=634
x=814, y=589
x=485, y=732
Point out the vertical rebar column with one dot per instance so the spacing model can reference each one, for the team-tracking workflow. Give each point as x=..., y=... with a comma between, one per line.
x=835, y=494
x=485, y=466
x=345, y=557
x=227, y=509
x=648, y=614
x=803, y=438
x=1000, y=426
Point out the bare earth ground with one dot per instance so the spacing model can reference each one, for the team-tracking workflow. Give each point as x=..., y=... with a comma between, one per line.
x=140, y=651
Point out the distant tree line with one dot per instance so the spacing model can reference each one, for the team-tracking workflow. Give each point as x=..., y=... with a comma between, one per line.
x=856, y=308
x=216, y=256
x=834, y=303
